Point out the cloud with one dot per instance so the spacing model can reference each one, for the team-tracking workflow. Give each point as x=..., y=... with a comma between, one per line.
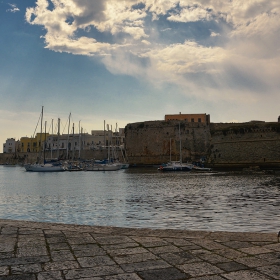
x=222, y=46
x=13, y=8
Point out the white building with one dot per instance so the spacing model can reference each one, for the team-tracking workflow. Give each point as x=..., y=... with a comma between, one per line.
x=10, y=146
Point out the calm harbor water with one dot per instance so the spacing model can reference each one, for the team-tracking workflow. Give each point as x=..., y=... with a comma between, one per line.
x=139, y=197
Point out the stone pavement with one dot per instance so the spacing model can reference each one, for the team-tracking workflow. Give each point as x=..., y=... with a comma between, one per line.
x=31, y=250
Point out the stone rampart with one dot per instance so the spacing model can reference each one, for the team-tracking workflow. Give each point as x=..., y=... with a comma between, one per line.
x=245, y=144
x=152, y=142
x=223, y=144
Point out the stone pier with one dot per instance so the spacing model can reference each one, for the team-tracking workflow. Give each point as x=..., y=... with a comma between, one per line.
x=38, y=251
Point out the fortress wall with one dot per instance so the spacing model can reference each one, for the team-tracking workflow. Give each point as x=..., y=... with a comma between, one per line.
x=243, y=145
x=149, y=142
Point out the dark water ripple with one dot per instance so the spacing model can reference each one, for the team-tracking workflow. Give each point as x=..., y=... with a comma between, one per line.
x=143, y=198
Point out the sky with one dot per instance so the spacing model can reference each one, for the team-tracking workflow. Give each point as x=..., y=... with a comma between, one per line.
x=132, y=61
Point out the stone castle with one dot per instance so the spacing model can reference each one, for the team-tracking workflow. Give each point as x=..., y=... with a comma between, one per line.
x=222, y=145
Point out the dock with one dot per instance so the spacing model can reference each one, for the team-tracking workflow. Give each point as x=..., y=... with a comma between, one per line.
x=45, y=251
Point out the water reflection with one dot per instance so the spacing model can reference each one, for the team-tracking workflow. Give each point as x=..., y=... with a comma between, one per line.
x=143, y=198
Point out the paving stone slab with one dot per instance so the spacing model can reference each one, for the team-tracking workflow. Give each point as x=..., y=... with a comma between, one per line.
x=145, y=239
x=31, y=251
x=255, y=250
x=95, y=261
x=56, y=239
x=273, y=258
x=165, y=249
x=208, y=244
x=215, y=277
x=191, y=247
x=7, y=247
x=62, y=255
x=88, y=250
x=120, y=246
x=6, y=255
x=231, y=266
x=25, y=260
x=113, y=240
x=122, y=259
x=81, y=240
x=253, y=262
x=26, y=268
x=127, y=251
x=213, y=258
x=180, y=242
x=59, y=246
x=246, y=275
x=19, y=277
x=231, y=253
x=153, y=244
x=4, y=270
x=177, y=258
x=237, y=244
x=272, y=271
x=61, y=265
x=274, y=247
x=166, y=274
x=91, y=272
x=200, y=269
x=141, y=266
x=24, y=231
x=50, y=275
x=128, y=276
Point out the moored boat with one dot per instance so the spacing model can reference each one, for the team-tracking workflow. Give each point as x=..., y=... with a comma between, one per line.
x=103, y=167
x=176, y=166
x=48, y=167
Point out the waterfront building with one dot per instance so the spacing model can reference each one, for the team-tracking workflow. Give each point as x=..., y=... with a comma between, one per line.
x=33, y=144
x=10, y=146
x=197, y=118
x=97, y=140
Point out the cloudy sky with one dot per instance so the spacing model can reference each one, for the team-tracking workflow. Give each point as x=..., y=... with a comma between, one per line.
x=130, y=61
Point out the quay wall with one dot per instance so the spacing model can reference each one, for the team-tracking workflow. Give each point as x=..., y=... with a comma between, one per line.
x=224, y=145
x=21, y=158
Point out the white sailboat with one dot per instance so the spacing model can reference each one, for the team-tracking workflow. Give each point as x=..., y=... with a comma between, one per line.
x=109, y=166
x=176, y=165
x=43, y=167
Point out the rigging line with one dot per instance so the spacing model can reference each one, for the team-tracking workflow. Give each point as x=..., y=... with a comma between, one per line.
x=37, y=125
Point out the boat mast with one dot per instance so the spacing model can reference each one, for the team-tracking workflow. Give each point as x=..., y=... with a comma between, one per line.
x=58, y=132
x=104, y=135
x=180, y=143
x=40, y=146
x=170, y=149
x=79, y=140
x=52, y=139
x=45, y=142
x=73, y=143
x=68, y=137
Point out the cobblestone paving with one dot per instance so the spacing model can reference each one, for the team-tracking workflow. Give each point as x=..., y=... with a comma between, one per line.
x=44, y=251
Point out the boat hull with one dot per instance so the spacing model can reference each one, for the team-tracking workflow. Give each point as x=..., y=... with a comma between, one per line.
x=104, y=167
x=44, y=168
x=175, y=166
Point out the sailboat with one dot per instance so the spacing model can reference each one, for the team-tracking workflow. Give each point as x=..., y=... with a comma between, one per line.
x=176, y=165
x=43, y=167
x=109, y=165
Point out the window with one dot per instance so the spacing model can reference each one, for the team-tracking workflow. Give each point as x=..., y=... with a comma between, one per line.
x=199, y=119
x=192, y=120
